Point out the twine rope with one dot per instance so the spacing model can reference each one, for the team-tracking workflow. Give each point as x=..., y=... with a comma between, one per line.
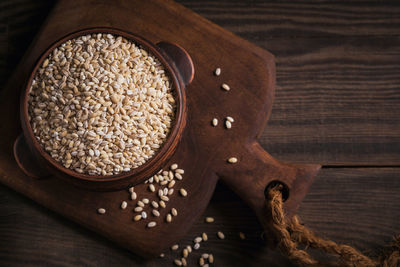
x=288, y=234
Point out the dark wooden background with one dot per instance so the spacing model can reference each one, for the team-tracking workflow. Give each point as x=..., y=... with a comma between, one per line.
x=337, y=103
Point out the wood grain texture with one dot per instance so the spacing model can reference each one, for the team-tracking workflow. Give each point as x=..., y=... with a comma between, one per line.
x=346, y=112
x=355, y=205
x=3, y=53
x=320, y=18
x=348, y=204
x=19, y=22
x=338, y=76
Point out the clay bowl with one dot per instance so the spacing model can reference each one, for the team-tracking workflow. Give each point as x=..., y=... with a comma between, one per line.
x=35, y=162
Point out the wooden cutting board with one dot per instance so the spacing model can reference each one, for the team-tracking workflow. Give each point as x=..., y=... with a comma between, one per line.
x=203, y=150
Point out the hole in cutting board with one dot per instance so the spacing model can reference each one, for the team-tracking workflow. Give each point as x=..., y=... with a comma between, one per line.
x=284, y=189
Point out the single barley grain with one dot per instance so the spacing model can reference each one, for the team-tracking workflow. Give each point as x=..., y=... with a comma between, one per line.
x=217, y=71
x=180, y=171
x=242, y=236
x=171, y=184
x=183, y=192
x=133, y=195
x=165, y=191
x=145, y=201
x=205, y=255
x=124, y=204
x=131, y=189
x=232, y=160
x=211, y=258
x=152, y=188
x=204, y=236
x=144, y=215
x=178, y=176
x=225, y=87
x=175, y=247
x=160, y=192
x=45, y=63
x=151, y=224
x=138, y=209
x=230, y=119
x=168, y=218
x=155, y=213
x=196, y=246
x=162, y=255
x=184, y=262
x=228, y=124
x=101, y=211
x=162, y=204
x=197, y=239
x=137, y=218
x=201, y=261
x=209, y=219
x=220, y=235
x=164, y=198
x=214, y=122
x=140, y=204
x=174, y=212
x=178, y=262
x=174, y=166
x=170, y=191
x=154, y=204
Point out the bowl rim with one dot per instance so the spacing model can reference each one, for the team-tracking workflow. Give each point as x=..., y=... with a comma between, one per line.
x=178, y=123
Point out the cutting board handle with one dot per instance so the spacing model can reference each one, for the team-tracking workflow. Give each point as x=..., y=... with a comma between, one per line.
x=27, y=162
x=256, y=171
x=180, y=58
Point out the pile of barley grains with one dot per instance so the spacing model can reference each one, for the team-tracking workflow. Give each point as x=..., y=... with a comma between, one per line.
x=101, y=105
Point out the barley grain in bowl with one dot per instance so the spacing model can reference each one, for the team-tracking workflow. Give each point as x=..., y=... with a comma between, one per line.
x=101, y=104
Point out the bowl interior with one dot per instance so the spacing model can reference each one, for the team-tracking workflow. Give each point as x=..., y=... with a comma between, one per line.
x=153, y=164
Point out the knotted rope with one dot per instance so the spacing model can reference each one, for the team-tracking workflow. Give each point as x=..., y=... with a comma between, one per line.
x=290, y=233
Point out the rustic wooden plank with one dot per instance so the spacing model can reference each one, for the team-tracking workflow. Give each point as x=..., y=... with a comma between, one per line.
x=254, y=19
x=357, y=206
x=338, y=77
x=23, y=17
x=3, y=52
x=336, y=101
x=19, y=22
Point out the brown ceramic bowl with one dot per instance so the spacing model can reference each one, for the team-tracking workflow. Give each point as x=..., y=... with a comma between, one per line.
x=35, y=162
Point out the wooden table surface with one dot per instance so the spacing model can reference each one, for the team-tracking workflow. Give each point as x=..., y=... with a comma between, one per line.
x=337, y=103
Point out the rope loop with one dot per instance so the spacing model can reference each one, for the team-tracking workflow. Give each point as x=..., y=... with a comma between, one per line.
x=288, y=234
